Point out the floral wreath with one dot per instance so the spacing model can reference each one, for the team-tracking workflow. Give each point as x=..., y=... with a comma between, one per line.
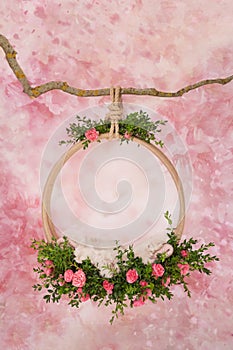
x=132, y=281
x=128, y=280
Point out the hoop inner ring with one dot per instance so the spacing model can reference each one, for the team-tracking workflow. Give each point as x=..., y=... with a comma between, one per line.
x=48, y=225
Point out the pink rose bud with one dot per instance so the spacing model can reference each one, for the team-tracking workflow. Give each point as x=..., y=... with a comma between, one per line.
x=80, y=291
x=108, y=286
x=166, y=282
x=158, y=270
x=68, y=275
x=184, y=268
x=79, y=278
x=82, y=296
x=61, y=281
x=92, y=134
x=49, y=263
x=85, y=297
x=138, y=302
x=183, y=253
x=127, y=136
x=48, y=271
x=147, y=292
x=143, y=283
x=131, y=276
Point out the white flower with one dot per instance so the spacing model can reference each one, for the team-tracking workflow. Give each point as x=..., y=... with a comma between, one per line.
x=99, y=257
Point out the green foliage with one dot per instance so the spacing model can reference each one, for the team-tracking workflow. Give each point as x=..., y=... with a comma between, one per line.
x=140, y=125
x=136, y=124
x=168, y=217
x=61, y=254
x=124, y=294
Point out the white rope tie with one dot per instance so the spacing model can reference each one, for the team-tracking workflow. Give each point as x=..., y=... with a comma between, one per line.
x=116, y=111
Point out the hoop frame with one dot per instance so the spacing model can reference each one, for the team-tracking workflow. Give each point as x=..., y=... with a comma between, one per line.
x=48, y=225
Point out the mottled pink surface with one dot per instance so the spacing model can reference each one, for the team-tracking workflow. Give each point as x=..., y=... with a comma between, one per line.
x=91, y=44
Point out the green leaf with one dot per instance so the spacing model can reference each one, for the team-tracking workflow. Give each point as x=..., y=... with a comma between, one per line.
x=123, y=293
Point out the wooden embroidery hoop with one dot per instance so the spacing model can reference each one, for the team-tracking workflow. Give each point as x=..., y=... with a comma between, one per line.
x=48, y=225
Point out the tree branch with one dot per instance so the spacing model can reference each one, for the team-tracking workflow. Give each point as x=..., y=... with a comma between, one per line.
x=60, y=85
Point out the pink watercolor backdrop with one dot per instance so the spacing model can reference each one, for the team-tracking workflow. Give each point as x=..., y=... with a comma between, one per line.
x=92, y=44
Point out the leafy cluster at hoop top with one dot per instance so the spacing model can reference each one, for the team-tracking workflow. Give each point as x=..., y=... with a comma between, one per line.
x=137, y=124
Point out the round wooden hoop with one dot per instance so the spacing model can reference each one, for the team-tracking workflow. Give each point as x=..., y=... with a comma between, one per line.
x=48, y=225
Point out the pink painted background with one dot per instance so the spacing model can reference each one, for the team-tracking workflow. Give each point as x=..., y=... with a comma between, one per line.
x=92, y=44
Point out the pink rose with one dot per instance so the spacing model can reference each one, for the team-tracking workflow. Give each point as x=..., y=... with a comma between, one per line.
x=79, y=291
x=127, y=135
x=131, y=276
x=184, y=268
x=143, y=283
x=82, y=297
x=166, y=282
x=158, y=270
x=147, y=291
x=108, y=286
x=138, y=302
x=92, y=134
x=68, y=275
x=85, y=297
x=61, y=281
x=48, y=263
x=48, y=271
x=49, y=267
x=183, y=253
x=79, y=278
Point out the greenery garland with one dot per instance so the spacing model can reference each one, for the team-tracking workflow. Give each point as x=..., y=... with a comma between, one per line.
x=137, y=124
x=132, y=282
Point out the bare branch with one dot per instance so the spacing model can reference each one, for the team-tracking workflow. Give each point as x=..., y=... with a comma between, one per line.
x=65, y=87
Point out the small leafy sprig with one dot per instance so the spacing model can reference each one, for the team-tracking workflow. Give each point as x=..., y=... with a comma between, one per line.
x=139, y=124
x=136, y=124
x=132, y=282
